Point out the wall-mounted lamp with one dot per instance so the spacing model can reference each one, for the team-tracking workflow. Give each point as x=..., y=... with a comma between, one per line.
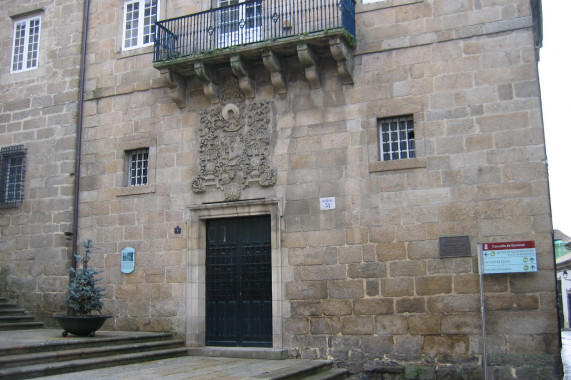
x=565, y=274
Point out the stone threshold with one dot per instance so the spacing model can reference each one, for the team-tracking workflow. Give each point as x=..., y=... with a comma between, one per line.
x=240, y=352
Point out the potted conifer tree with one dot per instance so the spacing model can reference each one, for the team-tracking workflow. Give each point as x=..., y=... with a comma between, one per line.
x=83, y=297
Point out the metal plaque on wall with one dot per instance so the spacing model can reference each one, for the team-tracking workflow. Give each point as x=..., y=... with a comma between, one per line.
x=454, y=246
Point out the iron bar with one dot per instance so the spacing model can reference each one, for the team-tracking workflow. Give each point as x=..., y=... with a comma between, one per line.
x=249, y=22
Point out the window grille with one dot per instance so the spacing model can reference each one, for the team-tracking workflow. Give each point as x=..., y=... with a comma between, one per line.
x=12, y=173
x=26, y=45
x=138, y=167
x=139, y=23
x=396, y=138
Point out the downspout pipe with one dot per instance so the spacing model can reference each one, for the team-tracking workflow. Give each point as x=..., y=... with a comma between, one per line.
x=79, y=134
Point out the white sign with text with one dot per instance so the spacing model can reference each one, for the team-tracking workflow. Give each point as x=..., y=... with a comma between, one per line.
x=327, y=203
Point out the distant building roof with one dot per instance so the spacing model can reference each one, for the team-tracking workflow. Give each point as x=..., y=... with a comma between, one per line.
x=558, y=235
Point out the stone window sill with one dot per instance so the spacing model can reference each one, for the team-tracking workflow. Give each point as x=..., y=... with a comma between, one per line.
x=373, y=6
x=383, y=166
x=134, y=190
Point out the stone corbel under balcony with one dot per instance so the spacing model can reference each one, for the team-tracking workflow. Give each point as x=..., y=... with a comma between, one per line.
x=177, y=85
x=209, y=82
x=241, y=70
x=272, y=64
x=344, y=57
x=243, y=60
x=309, y=59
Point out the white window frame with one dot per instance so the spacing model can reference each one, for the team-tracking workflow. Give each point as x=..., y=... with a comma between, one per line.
x=142, y=27
x=25, y=55
x=398, y=141
x=239, y=24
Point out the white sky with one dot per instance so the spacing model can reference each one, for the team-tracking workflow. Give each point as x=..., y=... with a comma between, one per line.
x=555, y=79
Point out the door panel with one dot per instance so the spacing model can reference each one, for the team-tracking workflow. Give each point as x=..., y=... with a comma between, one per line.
x=238, y=22
x=238, y=282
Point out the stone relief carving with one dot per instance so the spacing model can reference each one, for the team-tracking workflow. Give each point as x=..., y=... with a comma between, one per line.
x=235, y=148
x=230, y=90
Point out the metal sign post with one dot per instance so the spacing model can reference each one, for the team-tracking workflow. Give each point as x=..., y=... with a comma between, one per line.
x=483, y=310
x=504, y=257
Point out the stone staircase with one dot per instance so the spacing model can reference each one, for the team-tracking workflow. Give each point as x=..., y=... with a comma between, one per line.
x=317, y=370
x=305, y=370
x=49, y=354
x=13, y=318
x=57, y=356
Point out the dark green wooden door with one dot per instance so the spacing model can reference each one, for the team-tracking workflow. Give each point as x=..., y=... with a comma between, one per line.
x=238, y=282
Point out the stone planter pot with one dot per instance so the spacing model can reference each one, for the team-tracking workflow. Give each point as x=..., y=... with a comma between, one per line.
x=80, y=325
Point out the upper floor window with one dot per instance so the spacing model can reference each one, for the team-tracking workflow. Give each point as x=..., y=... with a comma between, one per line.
x=139, y=23
x=12, y=171
x=26, y=44
x=138, y=172
x=396, y=138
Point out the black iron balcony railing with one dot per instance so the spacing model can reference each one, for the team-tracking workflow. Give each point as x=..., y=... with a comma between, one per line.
x=250, y=22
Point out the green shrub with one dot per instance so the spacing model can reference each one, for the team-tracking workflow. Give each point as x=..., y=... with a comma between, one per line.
x=83, y=296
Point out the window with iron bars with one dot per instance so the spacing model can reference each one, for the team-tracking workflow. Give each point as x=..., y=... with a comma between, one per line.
x=138, y=173
x=12, y=173
x=396, y=138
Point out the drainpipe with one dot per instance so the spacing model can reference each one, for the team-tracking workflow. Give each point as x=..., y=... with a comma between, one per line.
x=78, y=134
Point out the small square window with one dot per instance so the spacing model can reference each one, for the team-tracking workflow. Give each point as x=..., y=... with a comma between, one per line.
x=139, y=23
x=12, y=173
x=138, y=167
x=396, y=138
x=26, y=45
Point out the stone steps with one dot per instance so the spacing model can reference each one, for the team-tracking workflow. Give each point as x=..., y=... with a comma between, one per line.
x=330, y=374
x=55, y=355
x=85, y=353
x=12, y=311
x=315, y=370
x=14, y=318
x=20, y=326
x=52, y=358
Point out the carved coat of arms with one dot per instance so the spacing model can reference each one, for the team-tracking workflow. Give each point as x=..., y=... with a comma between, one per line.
x=235, y=148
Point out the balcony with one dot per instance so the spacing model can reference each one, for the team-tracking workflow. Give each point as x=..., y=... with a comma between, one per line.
x=251, y=32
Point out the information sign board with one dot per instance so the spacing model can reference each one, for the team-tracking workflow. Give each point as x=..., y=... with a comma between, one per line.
x=128, y=260
x=509, y=257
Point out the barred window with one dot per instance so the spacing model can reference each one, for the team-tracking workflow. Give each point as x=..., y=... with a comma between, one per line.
x=12, y=173
x=396, y=138
x=139, y=23
x=138, y=167
x=26, y=45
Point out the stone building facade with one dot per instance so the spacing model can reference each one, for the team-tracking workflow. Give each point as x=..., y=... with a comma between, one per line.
x=277, y=150
x=38, y=113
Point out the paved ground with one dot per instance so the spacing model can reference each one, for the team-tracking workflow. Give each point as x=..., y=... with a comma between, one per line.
x=187, y=367
x=566, y=354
